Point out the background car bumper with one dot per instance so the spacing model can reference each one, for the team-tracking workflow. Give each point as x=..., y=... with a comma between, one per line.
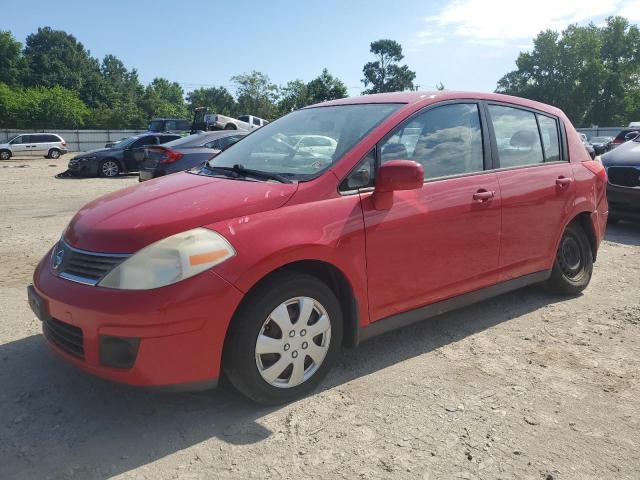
x=624, y=202
x=178, y=331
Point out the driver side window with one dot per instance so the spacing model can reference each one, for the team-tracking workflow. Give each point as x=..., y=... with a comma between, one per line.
x=446, y=140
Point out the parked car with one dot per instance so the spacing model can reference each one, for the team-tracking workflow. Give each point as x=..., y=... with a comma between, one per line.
x=590, y=150
x=244, y=122
x=48, y=145
x=184, y=153
x=634, y=125
x=320, y=144
x=625, y=135
x=623, y=187
x=170, y=125
x=266, y=260
x=601, y=145
x=110, y=162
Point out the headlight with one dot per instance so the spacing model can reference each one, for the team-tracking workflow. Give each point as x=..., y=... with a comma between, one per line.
x=170, y=260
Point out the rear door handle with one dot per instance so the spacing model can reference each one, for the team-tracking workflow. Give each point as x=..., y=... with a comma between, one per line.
x=563, y=181
x=483, y=195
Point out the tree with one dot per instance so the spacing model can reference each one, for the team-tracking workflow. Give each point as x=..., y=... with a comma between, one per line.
x=293, y=95
x=590, y=72
x=385, y=74
x=10, y=59
x=256, y=95
x=163, y=98
x=325, y=87
x=218, y=99
x=41, y=107
x=55, y=58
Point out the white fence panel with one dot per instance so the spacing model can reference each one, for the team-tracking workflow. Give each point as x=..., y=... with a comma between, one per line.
x=78, y=140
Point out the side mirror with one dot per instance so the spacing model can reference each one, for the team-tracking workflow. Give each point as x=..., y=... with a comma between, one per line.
x=631, y=135
x=396, y=175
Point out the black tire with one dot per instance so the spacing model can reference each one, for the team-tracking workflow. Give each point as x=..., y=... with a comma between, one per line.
x=240, y=362
x=109, y=168
x=5, y=154
x=54, y=154
x=573, y=265
x=230, y=126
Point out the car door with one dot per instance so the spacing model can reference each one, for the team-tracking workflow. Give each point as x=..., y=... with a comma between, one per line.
x=442, y=240
x=536, y=183
x=39, y=145
x=20, y=146
x=133, y=155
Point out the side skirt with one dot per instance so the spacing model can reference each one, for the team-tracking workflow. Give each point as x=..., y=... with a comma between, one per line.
x=407, y=318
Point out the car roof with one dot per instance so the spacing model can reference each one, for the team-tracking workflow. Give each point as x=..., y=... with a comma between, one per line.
x=428, y=97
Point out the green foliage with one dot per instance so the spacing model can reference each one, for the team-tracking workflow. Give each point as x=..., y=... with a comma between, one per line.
x=11, y=63
x=256, y=95
x=218, y=99
x=54, y=82
x=297, y=94
x=39, y=107
x=385, y=74
x=590, y=72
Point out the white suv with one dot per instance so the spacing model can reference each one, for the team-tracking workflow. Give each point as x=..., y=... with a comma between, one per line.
x=48, y=145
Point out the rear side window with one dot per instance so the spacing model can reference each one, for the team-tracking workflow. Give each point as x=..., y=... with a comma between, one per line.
x=517, y=136
x=52, y=138
x=256, y=121
x=38, y=138
x=244, y=118
x=550, y=138
x=446, y=140
x=169, y=138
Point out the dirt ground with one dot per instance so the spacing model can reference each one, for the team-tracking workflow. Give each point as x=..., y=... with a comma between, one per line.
x=526, y=385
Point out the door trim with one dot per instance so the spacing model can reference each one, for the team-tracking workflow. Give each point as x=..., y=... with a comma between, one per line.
x=412, y=316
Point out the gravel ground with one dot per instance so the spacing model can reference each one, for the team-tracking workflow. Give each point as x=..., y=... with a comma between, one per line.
x=526, y=385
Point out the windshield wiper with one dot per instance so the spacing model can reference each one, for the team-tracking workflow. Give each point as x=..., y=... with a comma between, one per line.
x=240, y=170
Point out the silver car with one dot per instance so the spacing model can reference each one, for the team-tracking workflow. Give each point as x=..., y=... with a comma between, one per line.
x=48, y=145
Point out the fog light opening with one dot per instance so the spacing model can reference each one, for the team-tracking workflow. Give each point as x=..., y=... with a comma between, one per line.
x=118, y=352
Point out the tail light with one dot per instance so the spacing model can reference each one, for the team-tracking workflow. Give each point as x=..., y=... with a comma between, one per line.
x=164, y=155
x=64, y=144
x=597, y=168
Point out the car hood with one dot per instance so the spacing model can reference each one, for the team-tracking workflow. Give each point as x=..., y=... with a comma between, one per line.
x=626, y=154
x=130, y=219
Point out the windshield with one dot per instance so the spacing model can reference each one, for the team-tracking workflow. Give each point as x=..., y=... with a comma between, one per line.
x=156, y=126
x=275, y=147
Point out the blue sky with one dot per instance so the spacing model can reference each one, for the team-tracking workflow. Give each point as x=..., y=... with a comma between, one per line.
x=466, y=44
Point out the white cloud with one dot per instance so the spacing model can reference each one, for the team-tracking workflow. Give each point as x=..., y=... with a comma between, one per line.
x=508, y=22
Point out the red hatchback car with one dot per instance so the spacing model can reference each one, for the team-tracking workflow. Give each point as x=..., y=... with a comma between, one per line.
x=264, y=262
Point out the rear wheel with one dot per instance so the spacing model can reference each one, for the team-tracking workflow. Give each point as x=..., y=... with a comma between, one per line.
x=5, y=154
x=109, y=168
x=54, y=153
x=573, y=266
x=284, y=339
x=230, y=126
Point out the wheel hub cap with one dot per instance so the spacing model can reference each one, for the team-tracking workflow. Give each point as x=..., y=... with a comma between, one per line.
x=570, y=256
x=288, y=359
x=110, y=169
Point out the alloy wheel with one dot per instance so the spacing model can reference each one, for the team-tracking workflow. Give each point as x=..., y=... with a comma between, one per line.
x=293, y=342
x=110, y=168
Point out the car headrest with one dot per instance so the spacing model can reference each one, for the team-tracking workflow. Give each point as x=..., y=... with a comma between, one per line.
x=523, y=138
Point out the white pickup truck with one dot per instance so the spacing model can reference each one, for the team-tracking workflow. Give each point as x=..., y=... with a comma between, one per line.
x=245, y=122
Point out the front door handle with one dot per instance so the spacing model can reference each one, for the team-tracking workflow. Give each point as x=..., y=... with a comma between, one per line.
x=483, y=195
x=563, y=181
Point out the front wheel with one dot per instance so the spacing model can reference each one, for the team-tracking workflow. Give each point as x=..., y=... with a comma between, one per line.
x=283, y=339
x=573, y=265
x=5, y=155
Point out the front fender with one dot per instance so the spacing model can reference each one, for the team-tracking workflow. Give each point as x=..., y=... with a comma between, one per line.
x=330, y=231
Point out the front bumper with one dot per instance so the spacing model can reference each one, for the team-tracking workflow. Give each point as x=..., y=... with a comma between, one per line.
x=180, y=328
x=86, y=168
x=624, y=202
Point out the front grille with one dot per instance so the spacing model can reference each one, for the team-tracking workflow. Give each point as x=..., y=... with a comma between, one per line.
x=82, y=266
x=624, y=176
x=67, y=337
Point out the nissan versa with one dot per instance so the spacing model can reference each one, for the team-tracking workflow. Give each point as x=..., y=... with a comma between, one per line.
x=262, y=263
